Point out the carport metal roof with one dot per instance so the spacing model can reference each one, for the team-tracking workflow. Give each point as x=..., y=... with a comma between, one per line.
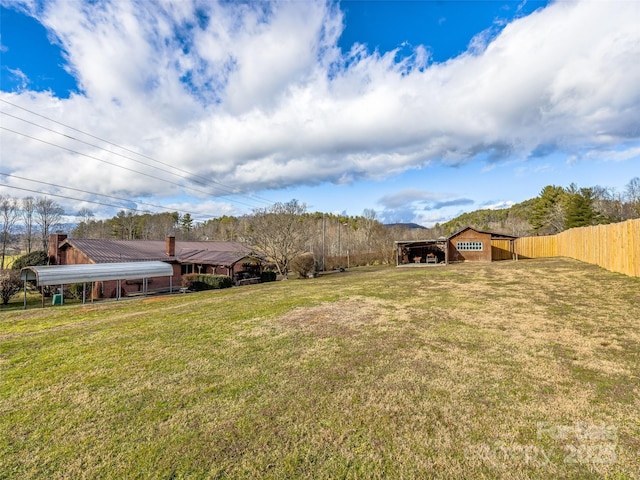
x=94, y=272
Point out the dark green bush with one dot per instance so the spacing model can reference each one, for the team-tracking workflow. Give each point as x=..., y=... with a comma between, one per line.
x=198, y=282
x=268, y=276
x=39, y=257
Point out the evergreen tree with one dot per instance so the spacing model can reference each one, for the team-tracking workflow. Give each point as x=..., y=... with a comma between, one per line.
x=579, y=209
x=548, y=211
x=186, y=222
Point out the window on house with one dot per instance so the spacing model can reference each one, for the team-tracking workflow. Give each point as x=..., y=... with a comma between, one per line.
x=469, y=246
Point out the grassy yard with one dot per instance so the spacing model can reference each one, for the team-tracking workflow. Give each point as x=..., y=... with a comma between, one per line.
x=523, y=369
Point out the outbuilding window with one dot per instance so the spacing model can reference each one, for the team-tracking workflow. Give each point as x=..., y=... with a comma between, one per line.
x=469, y=246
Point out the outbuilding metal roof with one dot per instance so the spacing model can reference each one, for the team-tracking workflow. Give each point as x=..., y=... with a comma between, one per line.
x=95, y=272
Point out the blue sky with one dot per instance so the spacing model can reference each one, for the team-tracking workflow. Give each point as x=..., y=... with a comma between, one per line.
x=420, y=110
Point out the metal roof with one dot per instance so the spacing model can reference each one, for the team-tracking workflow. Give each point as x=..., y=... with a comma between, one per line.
x=95, y=272
x=226, y=258
x=109, y=250
x=493, y=234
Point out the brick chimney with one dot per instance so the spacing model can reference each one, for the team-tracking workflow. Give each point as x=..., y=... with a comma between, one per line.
x=171, y=246
x=53, y=247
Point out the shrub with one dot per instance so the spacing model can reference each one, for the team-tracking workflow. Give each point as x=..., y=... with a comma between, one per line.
x=268, y=276
x=198, y=282
x=304, y=264
x=39, y=257
x=75, y=290
x=10, y=284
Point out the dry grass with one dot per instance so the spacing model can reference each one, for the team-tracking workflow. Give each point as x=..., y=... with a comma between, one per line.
x=507, y=370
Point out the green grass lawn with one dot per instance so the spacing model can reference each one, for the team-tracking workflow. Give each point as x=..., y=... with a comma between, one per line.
x=512, y=369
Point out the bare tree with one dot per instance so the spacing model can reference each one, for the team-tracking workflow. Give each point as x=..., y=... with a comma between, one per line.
x=633, y=195
x=48, y=215
x=124, y=224
x=85, y=215
x=8, y=215
x=369, y=221
x=28, y=211
x=279, y=232
x=608, y=204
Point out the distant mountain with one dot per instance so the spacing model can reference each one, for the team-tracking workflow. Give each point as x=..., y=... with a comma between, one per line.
x=410, y=226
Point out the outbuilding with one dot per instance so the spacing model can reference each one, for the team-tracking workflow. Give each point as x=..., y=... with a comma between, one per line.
x=466, y=245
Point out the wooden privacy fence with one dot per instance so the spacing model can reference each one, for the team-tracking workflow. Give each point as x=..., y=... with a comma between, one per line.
x=501, y=249
x=615, y=246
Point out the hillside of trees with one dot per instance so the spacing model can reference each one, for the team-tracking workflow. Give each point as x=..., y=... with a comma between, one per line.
x=554, y=210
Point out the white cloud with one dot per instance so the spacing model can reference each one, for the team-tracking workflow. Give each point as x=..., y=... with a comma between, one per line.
x=409, y=196
x=257, y=95
x=499, y=205
x=22, y=78
x=611, y=155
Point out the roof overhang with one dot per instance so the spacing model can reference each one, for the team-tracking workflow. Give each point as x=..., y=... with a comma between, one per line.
x=420, y=243
x=94, y=272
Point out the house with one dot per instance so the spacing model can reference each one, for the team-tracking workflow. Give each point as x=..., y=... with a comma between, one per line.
x=466, y=245
x=221, y=258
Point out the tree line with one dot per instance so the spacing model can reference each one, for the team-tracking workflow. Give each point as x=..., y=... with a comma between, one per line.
x=281, y=232
x=284, y=231
x=554, y=210
x=37, y=218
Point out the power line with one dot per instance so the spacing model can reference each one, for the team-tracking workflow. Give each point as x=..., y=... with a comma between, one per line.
x=100, y=195
x=226, y=187
x=66, y=197
x=116, y=165
x=113, y=153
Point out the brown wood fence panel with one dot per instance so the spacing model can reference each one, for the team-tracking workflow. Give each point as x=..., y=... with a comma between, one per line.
x=501, y=250
x=615, y=247
x=536, y=247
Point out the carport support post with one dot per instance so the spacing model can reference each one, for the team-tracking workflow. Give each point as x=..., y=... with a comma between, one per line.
x=25, y=294
x=84, y=293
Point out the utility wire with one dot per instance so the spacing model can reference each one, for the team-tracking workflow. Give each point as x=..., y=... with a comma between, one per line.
x=66, y=197
x=113, y=153
x=115, y=164
x=99, y=194
x=228, y=188
x=91, y=201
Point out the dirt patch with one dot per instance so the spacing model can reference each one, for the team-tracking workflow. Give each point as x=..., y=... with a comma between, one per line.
x=345, y=318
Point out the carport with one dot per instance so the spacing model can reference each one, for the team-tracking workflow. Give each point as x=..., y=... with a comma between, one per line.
x=422, y=251
x=48, y=275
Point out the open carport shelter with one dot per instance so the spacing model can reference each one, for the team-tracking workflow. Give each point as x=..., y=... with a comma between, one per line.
x=60, y=275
